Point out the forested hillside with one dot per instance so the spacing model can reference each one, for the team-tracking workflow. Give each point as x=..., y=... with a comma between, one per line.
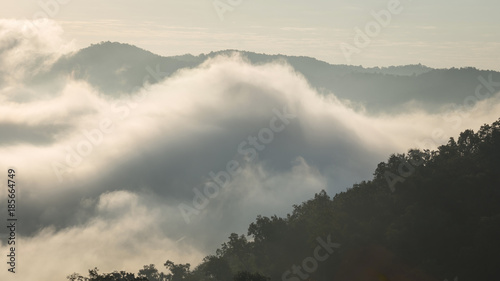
x=426, y=215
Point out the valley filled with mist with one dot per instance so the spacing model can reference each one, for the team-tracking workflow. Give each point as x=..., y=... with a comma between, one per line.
x=242, y=164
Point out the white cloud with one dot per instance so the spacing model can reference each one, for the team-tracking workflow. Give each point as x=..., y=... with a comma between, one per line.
x=27, y=47
x=127, y=241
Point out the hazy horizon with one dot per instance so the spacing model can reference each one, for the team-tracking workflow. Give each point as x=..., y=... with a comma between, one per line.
x=281, y=54
x=440, y=35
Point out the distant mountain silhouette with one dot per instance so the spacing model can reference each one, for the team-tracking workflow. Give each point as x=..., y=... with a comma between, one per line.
x=116, y=68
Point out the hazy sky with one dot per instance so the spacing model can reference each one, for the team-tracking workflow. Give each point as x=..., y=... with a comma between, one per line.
x=434, y=33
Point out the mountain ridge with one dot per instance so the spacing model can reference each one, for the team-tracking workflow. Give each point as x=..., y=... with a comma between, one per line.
x=118, y=68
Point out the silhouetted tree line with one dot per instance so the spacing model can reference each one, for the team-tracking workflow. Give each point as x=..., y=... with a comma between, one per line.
x=442, y=221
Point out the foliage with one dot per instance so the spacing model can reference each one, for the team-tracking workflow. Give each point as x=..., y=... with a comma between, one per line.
x=441, y=220
x=247, y=276
x=113, y=276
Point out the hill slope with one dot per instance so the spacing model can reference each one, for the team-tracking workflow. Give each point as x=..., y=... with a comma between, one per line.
x=425, y=216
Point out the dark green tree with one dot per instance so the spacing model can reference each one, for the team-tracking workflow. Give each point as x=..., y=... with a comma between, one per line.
x=248, y=276
x=178, y=272
x=152, y=274
x=217, y=268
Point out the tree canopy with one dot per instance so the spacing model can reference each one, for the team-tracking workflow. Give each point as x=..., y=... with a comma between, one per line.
x=435, y=218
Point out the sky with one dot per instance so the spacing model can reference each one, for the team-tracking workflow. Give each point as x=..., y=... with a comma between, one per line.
x=438, y=34
x=114, y=181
